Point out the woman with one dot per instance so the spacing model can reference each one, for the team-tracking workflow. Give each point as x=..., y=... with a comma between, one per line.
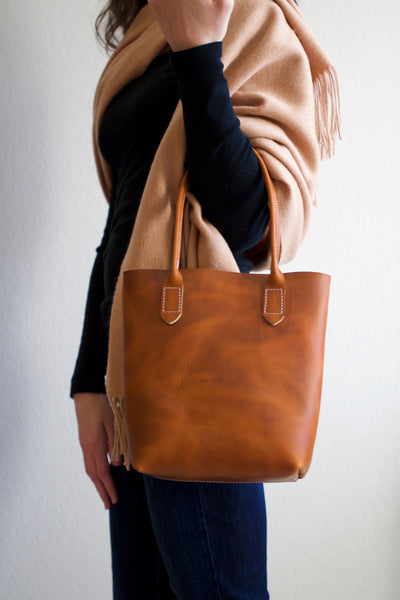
x=171, y=539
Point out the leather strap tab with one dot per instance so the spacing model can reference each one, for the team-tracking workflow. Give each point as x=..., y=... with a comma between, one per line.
x=274, y=303
x=172, y=299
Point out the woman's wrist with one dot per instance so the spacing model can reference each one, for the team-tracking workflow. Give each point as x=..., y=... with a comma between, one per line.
x=189, y=24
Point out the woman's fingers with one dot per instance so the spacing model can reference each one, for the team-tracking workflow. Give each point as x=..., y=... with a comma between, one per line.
x=96, y=436
x=105, y=478
x=92, y=471
x=98, y=469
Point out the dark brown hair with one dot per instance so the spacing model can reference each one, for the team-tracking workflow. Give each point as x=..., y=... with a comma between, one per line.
x=115, y=19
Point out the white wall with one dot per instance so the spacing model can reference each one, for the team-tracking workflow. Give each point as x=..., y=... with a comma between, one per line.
x=335, y=534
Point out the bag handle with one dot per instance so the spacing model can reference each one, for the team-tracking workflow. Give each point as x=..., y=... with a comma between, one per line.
x=274, y=290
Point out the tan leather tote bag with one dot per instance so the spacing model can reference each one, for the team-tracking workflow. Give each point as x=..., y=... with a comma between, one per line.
x=223, y=371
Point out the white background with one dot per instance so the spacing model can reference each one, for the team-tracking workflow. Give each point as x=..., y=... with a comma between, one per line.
x=337, y=532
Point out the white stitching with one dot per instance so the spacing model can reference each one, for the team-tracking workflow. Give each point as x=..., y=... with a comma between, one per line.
x=164, y=300
x=266, y=301
x=277, y=230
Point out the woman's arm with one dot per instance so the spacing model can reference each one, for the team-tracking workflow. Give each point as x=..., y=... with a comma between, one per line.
x=224, y=173
x=94, y=415
x=90, y=365
x=212, y=130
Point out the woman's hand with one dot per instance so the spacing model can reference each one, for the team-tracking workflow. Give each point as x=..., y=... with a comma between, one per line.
x=189, y=23
x=96, y=436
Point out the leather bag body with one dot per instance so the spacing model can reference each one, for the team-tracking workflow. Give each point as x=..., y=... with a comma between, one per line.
x=223, y=371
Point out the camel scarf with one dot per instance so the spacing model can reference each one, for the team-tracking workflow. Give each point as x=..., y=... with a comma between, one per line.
x=284, y=91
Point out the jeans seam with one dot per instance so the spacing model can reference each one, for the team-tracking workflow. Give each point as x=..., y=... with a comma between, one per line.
x=208, y=544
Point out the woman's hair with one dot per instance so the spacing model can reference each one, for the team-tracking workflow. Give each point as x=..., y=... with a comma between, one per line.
x=117, y=14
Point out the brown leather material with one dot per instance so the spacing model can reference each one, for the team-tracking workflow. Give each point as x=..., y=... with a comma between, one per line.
x=172, y=298
x=221, y=395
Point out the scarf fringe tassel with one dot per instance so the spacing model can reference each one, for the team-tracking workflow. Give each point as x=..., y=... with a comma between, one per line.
x=120, y=448
x=327, y=110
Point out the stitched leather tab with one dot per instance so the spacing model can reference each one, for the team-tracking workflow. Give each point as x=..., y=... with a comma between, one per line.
x=172, y=299
x=274, y=305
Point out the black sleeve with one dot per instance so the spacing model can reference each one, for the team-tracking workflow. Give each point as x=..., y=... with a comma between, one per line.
x=224, y=173
x=90, y=367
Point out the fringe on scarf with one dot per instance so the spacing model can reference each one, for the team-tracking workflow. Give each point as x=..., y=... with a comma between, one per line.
x=327, y=111
x=120, y=447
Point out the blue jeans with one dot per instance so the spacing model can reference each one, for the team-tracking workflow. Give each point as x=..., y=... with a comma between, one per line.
x=173, y=540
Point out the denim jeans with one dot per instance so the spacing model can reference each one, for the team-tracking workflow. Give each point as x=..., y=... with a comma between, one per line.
x=173, y=540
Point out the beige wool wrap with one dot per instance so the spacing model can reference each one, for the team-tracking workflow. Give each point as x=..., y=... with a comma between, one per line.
x=284, y=91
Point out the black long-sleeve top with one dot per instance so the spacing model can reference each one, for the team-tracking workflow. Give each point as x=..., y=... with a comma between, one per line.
x=224, y=175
